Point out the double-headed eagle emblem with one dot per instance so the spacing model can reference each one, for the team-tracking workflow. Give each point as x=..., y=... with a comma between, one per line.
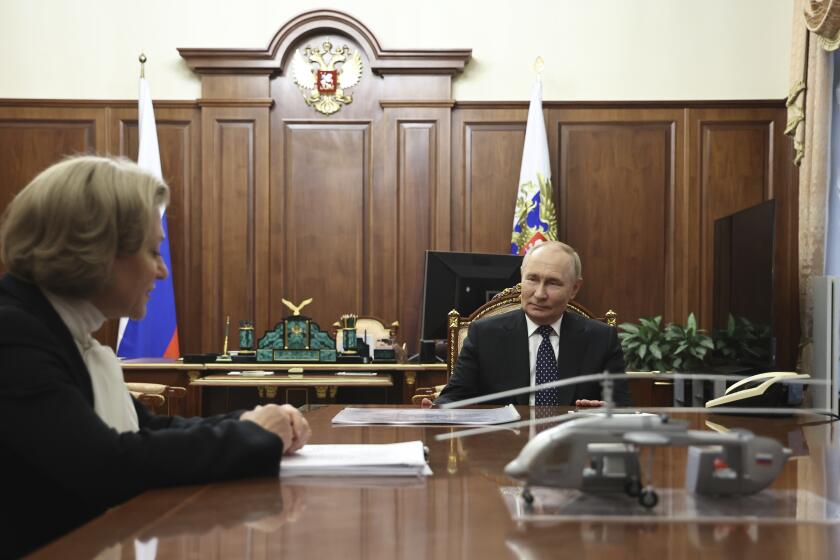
x=324, y=87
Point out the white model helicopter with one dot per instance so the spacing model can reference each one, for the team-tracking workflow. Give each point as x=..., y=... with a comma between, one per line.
x=598, y=451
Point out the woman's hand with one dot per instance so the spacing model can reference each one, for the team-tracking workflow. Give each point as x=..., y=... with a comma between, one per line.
x=283, y=420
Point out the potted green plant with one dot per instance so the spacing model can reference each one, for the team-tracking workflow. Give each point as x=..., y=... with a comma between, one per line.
x=690, y=346
x=742, y=342
x=644, y=344
x=648, y=346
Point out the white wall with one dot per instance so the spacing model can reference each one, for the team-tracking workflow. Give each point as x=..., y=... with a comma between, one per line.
x=593, y=49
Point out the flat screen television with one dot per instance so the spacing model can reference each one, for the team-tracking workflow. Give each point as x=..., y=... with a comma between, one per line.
x=462, y=281
x=743, y=287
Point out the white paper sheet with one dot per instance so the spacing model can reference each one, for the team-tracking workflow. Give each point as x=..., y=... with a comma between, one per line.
x=391, y=459
x=414, y=416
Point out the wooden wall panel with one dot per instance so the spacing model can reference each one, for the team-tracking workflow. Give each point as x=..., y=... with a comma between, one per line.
x=417, y=181
x=32, y=139
x=739, y=158
x=354, y=201
x=616, y=188
x=491, y=182
x=486, y=157
x=735, y=173
x=357, y=196
x=327, y=184
x=235, y=230
x=234, y=204
x=27, y=147
x=410, y=213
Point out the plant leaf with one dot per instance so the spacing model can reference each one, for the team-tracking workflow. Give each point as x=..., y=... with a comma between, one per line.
x=691, y=323
x=648, y=323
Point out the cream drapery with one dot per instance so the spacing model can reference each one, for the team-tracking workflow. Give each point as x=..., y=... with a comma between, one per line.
x=816, y=33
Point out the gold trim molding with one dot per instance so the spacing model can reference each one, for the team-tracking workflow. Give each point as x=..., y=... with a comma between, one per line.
x=247, y=103
x=417, y=103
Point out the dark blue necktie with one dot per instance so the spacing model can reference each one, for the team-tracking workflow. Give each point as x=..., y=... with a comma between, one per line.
x=546, y=369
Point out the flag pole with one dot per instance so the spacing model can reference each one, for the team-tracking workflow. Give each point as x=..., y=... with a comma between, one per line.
x=142, y=58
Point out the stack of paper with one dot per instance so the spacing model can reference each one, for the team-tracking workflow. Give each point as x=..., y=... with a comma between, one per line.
x=391, y=459
x=413, y=416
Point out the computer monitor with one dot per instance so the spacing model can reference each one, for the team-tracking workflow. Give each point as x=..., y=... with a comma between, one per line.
x=462, y=281
x=743, y=286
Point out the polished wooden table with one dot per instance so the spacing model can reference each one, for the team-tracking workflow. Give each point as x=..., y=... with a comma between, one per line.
x=394, y=383
x=457, y=513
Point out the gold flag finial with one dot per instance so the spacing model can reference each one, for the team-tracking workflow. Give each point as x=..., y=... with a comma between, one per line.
x=142, y=59
x=538, y=66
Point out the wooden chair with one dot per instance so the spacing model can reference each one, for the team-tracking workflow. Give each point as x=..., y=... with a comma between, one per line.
x=505, y=301
x=155, y=396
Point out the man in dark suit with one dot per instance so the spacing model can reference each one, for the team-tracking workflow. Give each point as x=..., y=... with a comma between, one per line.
x=540, y=342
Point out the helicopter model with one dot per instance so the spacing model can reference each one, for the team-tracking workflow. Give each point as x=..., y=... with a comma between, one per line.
x=598, y=451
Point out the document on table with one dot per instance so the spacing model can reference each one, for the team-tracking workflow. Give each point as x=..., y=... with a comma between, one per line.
x=389, y=459
x=413, y=416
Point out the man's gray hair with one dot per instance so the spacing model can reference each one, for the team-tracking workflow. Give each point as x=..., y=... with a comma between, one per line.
x=558, y=246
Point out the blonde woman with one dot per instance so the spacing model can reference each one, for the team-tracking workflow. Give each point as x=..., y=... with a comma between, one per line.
x=80, y=244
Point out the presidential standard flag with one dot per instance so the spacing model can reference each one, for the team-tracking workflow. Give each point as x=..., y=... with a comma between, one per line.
x=534, y=219
x=157, y=334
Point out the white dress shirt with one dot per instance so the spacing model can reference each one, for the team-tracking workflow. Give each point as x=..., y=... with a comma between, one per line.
x=534, y=341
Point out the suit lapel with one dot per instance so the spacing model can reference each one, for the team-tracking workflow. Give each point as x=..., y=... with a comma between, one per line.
x=35, y=301
x=569, y=353
x=520, y=362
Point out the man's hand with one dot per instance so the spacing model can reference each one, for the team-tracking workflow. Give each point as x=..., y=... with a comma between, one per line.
x=584, y=403
x=285, y=421
x=426, y=403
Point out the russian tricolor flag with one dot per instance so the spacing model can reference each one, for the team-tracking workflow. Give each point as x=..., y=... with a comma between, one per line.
x=157, y=334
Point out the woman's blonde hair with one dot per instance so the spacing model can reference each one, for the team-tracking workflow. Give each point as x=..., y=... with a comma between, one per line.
x=65, y=228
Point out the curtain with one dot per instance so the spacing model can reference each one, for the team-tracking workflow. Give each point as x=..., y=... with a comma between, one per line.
x=816, y=32
x=832, y=230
